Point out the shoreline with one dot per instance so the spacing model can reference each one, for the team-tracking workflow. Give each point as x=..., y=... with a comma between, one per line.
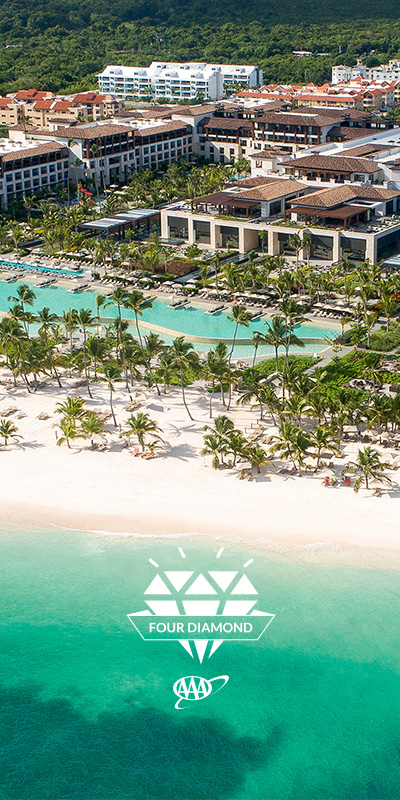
x=178, y=492
x=368, y=549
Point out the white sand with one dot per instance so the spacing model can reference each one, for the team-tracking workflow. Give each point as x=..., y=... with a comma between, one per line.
x=43, y=484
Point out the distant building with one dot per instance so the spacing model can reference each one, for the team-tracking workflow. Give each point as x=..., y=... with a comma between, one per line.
x=177, y=81
x=383, y=72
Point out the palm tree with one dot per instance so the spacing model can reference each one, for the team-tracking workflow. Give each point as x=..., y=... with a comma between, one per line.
x=212, y=447
x=215, y=261
x=236, y=445
x=184, y=358
x=240, y=317
x=141, y=426
x=137, y=302
x=92, y=425
x=324, y=440
x=369, y=322
x=166, y=366
x=154, y=345
x=73, y=409
x=211, y=374
x=293, y=315
x=257, y=456
x=119, y=297
x=257, y=339
x=390, y=307
x=276, y=335
x=295, y=407
x=8, y=431
x=307, y=244
x=296, y=244
x=70, y=321
x=69, y=431
x=96, y=350
x=48, y=321
x=112, y=373
x=222, y=431
x=25, y=297
x=256, y=386
x=368, y=465
x=291, y=443
x=85, y=321
x=29, y=203
x=101, y=300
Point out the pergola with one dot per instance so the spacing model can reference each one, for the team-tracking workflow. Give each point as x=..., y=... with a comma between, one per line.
x=343, y=213
x=223, y=202
x=117, y=224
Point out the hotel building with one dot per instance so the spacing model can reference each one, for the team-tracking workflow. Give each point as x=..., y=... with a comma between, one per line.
x=176, y=81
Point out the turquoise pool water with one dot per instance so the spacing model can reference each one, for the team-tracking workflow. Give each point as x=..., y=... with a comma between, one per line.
x=41, y=268
x=189, y=320
x=311, y=710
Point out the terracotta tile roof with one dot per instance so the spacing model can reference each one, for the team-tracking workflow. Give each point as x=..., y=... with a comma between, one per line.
x=308, y=118
x=194, y=111
x=174, y=125
x=158, y=113
x=31, y=94
x=328, y=198
x=352, y=114
x=257, y=181
x=339, y=163
x=367, y=149
x=62, y=105
x=45, y=147
x=272, y=153
x=90, y=98
x=228, y=123
x=83, y=97
x=272, y=190
x=88, y=132
x=348, y=134
x=5, y=102
x=43, y=105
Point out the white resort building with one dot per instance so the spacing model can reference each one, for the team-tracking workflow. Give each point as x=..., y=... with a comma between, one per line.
x=177, y=81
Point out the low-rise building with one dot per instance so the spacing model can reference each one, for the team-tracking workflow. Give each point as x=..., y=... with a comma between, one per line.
x=348, y=221
x=11, y=113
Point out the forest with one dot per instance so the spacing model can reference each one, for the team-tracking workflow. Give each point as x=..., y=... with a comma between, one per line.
x=61, y=46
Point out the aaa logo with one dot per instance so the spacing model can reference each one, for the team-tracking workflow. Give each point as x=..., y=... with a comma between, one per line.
x=192, y=688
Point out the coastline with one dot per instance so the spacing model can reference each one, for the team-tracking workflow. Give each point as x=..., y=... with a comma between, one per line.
x=346, y=550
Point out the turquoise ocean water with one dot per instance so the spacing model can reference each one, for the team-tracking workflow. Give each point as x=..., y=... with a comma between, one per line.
x=310, y=712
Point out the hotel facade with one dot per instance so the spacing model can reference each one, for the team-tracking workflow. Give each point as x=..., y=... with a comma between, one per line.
x=177, y=81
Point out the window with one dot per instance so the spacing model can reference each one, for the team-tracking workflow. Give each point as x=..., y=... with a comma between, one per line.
x=202, y=232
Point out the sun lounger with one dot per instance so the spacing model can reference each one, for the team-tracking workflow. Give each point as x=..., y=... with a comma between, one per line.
x=8, y=411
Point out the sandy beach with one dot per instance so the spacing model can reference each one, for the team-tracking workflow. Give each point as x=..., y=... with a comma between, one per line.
x=178, y=492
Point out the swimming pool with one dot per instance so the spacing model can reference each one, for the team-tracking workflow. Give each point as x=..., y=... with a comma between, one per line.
x=191, y=321
x=39, y=268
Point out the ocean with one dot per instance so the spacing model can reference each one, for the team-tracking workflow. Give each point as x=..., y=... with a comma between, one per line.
x=311, y=710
